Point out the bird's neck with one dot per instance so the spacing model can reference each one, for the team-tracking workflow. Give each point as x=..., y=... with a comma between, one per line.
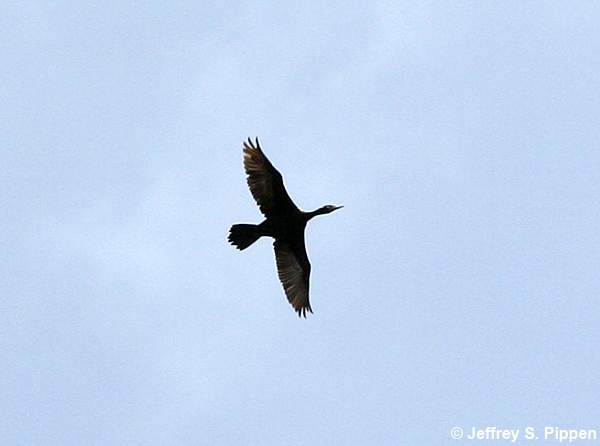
x=314, y=213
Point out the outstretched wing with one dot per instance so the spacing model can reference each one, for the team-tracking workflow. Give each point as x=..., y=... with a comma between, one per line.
x=293, y=269
x=265, y=182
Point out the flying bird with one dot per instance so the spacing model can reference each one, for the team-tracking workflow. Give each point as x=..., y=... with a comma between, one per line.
x=283, y=221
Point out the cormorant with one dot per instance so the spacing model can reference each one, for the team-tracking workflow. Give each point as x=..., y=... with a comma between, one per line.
x=283, y=221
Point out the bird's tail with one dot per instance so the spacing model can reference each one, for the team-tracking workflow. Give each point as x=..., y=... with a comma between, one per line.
x=243, y=235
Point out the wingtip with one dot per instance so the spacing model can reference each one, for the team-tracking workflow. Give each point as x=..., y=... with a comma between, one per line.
x=302, y=311
x=249, y=144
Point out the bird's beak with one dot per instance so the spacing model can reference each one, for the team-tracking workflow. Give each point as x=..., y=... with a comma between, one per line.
x=335, y=208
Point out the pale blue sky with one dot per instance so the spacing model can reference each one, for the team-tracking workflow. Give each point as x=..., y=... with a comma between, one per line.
x=457, y=287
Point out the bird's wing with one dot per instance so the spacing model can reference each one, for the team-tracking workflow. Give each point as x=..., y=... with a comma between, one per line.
x=265, y=182
x=293, y=269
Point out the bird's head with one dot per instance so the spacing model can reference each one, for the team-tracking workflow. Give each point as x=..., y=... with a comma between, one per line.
x=327, y=209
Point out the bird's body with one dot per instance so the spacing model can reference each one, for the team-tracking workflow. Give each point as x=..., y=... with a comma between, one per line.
x=284, y=227
x=283, y=221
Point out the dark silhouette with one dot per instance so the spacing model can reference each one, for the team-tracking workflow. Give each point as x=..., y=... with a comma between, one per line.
x=284, y=222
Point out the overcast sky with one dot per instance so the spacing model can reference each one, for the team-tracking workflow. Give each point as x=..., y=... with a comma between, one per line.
x=458, y=286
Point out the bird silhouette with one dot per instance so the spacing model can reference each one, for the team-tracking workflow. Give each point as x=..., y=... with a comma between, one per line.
x=283, y=221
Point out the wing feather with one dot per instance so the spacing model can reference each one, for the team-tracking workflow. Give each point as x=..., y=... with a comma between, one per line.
x=293, y=269
x=265, y=182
